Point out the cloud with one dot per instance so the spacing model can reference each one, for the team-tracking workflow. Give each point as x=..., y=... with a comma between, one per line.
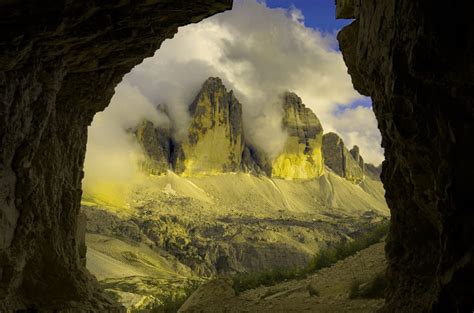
x=259, y=53
x=112, y=151
x=358, y=126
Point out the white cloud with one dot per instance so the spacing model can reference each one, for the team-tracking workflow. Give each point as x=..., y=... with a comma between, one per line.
x=111, y=149
x=358, y=126
x=259, y=53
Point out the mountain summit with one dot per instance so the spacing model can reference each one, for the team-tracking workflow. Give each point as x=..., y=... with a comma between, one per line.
x=215, y=140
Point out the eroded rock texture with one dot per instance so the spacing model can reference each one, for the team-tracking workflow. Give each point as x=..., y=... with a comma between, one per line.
x=59, y=64
x=157, y=145
x=216, y=126
x=301, y=157
x=345, y=163
x=415, y=59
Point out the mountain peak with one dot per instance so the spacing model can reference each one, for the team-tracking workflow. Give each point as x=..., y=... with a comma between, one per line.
x=301, y=157
x=215, y=136
x=213, y=82
x=345, y=163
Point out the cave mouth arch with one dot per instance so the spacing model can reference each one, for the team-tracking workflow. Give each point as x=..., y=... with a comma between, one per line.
x=155, y=71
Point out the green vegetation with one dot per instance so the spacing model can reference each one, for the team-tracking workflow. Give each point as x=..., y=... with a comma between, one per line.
x=339, y=251
x=324, y=258
x=246, y=281
x=374, y=289
x=170, y=302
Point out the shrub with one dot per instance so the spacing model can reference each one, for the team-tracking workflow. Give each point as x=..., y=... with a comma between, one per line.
x=339, y=251
x=246, y=281
x=171, y=302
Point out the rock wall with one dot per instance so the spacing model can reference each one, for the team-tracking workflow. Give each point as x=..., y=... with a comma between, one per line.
x=341, y=160
x=415, y=59
x=158, y=147
x=215, y=137
x=355, y=152
x=59, y=64
x=301, y=157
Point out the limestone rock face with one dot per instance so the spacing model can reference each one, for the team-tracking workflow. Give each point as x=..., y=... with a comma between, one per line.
x=255, y=161
x=301, y=157
x=59, y=64
x=419, y=73
x=215, y=139
x=373, y=171
x=157, y=145
x=340, y=160
x=355, y=152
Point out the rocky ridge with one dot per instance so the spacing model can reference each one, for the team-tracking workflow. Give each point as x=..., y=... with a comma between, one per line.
x=216, y=142
x=345, y=163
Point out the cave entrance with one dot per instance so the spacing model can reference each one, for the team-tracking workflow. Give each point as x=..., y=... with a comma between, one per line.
x=217, y=161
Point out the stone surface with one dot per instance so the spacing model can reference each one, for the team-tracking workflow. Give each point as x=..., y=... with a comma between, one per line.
x=373, y=171
x=301, y=157
x=157, y=146
x=59, y=64
x=415, y=60
x=345, y=8
x=215, y=137
x=340, y=160
x=355, y=152
x=255, y=161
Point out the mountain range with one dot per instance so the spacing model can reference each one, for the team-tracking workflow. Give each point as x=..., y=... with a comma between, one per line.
x=216, y=142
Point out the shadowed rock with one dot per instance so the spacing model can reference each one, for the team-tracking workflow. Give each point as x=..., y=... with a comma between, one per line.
x=415, y=60
x=215, y=137
x=340, y=160
x=157, y=145
x=301, y=156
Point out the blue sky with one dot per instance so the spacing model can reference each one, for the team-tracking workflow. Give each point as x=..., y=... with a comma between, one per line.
x=319, y=14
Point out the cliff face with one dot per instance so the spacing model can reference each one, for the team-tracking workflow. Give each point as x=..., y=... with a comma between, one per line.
x=355, y=152
x=158, y=147
x=59, y=64
x=373, y=171
x=415, y=60
x=216, y=143
x=215, y=138
x=340, y=160
x=301, y=156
